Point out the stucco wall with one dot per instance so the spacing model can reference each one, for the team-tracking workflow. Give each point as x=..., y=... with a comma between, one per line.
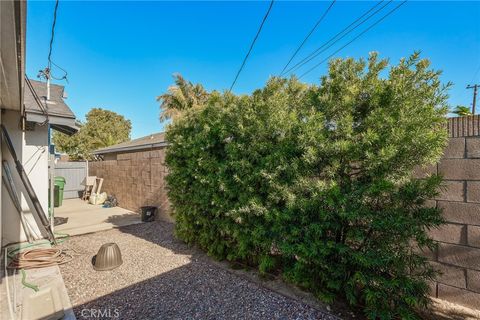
x=1, y=190
x=136, y=179
x=31, y=148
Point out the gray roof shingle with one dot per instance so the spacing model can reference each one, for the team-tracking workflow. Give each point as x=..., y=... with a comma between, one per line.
x=152, y=140
x=56, y=106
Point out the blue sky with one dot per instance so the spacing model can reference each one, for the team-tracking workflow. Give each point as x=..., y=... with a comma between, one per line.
x=121, y=55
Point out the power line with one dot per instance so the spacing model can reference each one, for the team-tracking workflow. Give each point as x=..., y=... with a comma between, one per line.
x=53, y=34
x=358, y=36
x=253, y=43
x=50, y=61
x=309, y=34
x=64, y=77
x=474, y=78
x=319, y=50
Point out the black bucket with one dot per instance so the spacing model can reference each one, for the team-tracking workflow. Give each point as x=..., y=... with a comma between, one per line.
x=148, y=213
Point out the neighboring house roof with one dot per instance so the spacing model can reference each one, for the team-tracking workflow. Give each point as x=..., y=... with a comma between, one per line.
x=155, y=140
x=55, y=106
x=60, y=116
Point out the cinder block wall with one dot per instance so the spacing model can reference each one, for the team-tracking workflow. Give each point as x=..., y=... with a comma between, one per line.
x=458, y=254
x=136, y=179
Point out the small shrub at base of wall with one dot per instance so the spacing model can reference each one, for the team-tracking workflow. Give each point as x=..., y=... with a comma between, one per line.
x=315, y=182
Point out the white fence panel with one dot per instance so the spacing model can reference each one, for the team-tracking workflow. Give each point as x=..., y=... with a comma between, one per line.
x=74, y=173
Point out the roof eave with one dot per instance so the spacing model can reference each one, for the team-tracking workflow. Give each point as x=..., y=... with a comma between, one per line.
x=63, y=124
x=132, y=148
x=12, y=64
x=56, y=114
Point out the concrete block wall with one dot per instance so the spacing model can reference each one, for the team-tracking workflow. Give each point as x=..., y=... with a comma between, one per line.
x=136, y=179
x=458, y=253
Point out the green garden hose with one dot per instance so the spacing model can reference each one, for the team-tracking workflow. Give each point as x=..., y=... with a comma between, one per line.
x=62, y=237
x=26, y=284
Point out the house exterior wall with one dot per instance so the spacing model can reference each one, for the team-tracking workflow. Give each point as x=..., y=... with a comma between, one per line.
x=32, y=151
x=458, y=252
x=1, y=190
x=136, y=179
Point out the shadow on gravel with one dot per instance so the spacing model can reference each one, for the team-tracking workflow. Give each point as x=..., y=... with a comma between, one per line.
x=163, y=278
x=186, y=293
x=195, y=288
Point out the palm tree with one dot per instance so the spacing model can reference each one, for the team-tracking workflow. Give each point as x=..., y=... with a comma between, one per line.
x=462, y=111
x=182, y=96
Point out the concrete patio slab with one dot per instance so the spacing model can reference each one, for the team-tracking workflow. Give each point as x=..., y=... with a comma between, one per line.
x=82, y=217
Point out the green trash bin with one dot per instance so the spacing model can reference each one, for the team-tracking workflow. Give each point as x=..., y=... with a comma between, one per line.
x=58, y=193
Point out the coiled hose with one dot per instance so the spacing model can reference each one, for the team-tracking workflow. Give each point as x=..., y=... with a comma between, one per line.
x=39, y=258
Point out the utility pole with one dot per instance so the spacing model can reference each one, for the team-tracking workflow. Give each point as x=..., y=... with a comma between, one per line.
x=475, y=88
x=46, y=73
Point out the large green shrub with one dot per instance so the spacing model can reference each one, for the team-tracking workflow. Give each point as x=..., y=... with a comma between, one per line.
x=315, y=181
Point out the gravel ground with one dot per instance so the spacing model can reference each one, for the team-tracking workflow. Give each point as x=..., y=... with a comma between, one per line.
x=162, y=278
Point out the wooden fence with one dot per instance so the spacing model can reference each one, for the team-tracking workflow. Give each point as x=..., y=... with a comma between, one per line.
x=464, y=126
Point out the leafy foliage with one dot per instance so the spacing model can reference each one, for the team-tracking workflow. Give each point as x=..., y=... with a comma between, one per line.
x=462, y=111
x=182, y=96
x=316, y=181
x=103, y=128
